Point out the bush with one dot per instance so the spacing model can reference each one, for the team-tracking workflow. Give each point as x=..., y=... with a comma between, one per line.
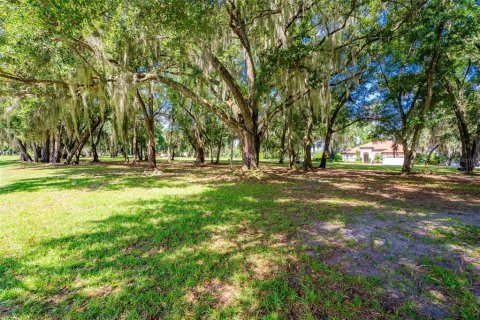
x=337, y=157
x=421, y=158
x=377, y=158
x=436, y=159
x=318, y=156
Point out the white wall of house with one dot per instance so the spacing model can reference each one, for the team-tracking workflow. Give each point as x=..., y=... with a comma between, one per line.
x=366, y=151
x=349, y=157
x=392, y=161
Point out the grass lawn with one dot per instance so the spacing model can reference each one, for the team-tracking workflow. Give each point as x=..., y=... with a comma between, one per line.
x=351, y=242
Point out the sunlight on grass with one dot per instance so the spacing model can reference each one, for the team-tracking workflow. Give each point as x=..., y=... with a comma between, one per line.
x=111, y=241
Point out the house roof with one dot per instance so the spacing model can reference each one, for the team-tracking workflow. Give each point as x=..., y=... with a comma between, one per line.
x=387, y=146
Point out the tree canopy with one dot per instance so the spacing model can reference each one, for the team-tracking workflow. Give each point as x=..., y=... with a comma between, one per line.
x=274, y=77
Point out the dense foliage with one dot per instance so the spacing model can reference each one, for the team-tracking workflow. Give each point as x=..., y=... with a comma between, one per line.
x=256, y=79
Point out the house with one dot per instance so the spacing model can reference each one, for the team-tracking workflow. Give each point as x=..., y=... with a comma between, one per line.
x=387, y=152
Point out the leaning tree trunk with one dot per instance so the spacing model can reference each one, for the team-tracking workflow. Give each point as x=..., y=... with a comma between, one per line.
x=78, y=145
x=95, y=143
x=24, y=156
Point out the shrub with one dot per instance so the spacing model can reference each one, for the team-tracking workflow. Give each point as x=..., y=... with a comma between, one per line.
x=318, y=156
x=337, y=157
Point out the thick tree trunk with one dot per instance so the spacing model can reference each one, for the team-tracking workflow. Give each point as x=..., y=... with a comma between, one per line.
x=469, y=142
x=152, y=158
x=326, y=147
x=46, y=150
x=37, y=152
x=57, y=147
x=78, y=145
x=409, y=156
x=200, y=154
x=249, y=151
x=24, y=156
x=95, y=152
x=200, y=145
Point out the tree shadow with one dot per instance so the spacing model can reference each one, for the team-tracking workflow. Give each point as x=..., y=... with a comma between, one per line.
x=172, y=257
x=233, y=250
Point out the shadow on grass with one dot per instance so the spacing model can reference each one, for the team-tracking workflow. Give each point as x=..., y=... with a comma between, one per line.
x=200, y=255
x=230, y=251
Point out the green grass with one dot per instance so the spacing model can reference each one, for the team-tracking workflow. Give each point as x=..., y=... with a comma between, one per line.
x=113, y=241
x=107, y=241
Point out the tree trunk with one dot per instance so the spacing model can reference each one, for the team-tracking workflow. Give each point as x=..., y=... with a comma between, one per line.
x=37, y=152
x=95, y=153
x=290, y=142
x=148, y=116
x=410, y=155
x=408, y=160
x=249, y=151
x=210, y=147
x=232, y=151
x=57, y=147
x=307, y=141
x=125, y=155
x=200, y=145
x=78, y=145
x=219, y=148
x=135, y=143
x=283, y=150
x=95, y=143
x=152, y=160
x=200, y=154
x=46, y=150
x=24, y=156
x=326, y=147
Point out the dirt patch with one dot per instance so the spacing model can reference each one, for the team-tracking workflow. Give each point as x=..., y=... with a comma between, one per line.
x=393, y=247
